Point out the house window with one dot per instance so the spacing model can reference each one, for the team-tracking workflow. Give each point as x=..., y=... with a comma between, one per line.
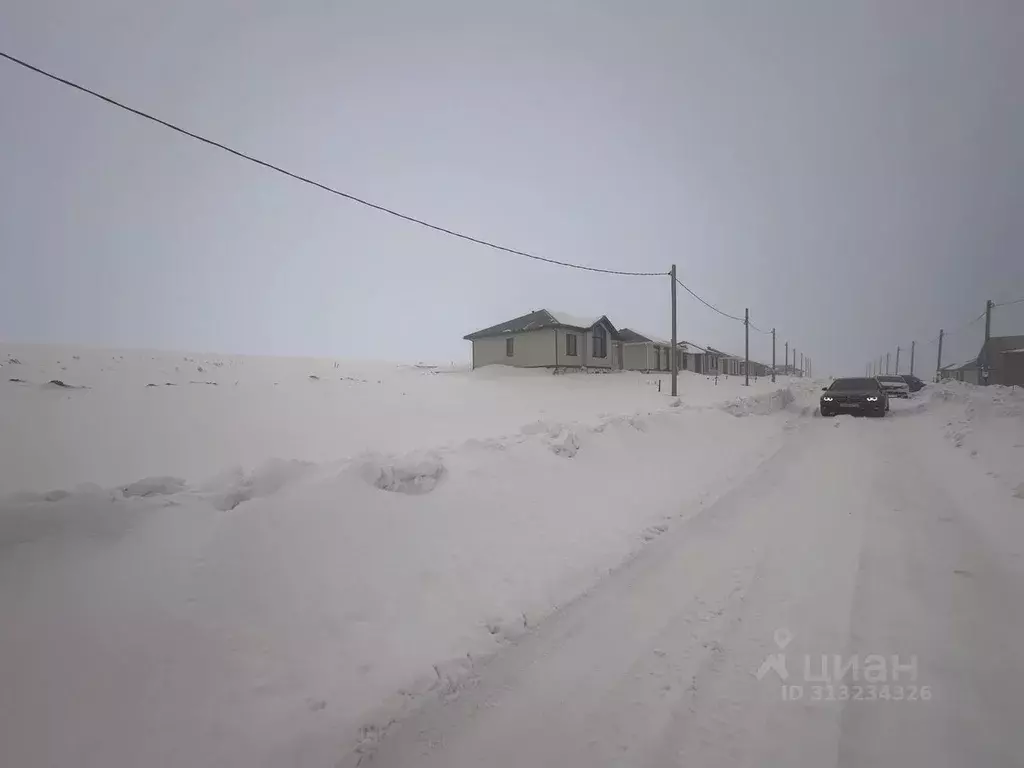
x=510, y=347
x=570, y=345
x=600, y=341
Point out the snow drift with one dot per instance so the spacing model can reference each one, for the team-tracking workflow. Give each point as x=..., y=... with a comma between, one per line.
x=283, y=614
x=987, y=422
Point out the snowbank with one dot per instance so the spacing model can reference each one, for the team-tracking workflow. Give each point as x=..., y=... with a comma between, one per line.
x=986, y=422
x=209, y=412
x=202, y=613
x=760, y=405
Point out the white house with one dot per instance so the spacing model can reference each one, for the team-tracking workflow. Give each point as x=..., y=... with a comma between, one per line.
x=547, y=339
x=644, y=352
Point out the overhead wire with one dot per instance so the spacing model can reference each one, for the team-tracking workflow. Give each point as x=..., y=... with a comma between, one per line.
x=707, y=304
x=351, y=197
x=317, y=184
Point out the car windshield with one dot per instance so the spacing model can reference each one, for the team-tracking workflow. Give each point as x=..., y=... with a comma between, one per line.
x=896, y=379
x=840, y=385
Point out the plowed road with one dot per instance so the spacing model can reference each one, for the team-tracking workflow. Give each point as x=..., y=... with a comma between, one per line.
x=859, y=541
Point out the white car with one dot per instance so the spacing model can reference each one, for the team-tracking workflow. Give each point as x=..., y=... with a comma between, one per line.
x=894, y=386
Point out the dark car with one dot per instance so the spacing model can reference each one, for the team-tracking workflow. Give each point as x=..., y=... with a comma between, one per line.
x=915, y=384
x=864, y=396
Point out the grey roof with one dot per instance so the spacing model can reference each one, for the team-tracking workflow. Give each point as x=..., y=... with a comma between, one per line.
x=720, y=353
x=998, y=344
x=630, y=336
x=693, y=349
x=534, y=321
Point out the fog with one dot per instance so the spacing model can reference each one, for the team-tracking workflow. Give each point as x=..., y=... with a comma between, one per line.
x=851, y=172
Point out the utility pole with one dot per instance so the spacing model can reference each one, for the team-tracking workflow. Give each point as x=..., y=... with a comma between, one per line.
x=983, y=357
x=746, y=353
x=912, y=344
x=773, y=355
x=675, y=343
x=880, y=358
x=886, y=363
x=897, y=361
x=788, y=372
x=794, y=362
x=938, y=365
x=801, y=365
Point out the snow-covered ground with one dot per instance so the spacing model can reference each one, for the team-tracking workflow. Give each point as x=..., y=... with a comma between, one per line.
x=261, y=561
x=126, y=415
x=856, y=602
x=386, y=562
x=987, y=423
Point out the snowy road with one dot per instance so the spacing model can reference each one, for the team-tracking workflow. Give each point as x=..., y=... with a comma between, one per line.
x=852, y=540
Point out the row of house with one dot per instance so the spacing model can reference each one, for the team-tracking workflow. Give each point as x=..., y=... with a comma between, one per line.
x=548, y=339
x=1002, y=357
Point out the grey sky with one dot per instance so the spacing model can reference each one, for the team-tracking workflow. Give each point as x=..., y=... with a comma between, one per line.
x=852, y=172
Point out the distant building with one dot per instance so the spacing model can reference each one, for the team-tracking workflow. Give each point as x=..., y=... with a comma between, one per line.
x=1001, y=356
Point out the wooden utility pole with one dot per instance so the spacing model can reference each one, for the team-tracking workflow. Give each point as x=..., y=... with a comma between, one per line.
x=983, y=357
x=801, y=365
x=675, y=343
x=746, y=353
x=912, y=345
x=938, y=364
x=886, y=363
x=773, y=355
x=788, y=372
x=897, y=361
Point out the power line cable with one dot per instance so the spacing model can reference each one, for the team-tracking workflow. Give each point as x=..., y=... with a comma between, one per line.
x=1008, y=303
x=965, y=326
x=317, y=184
x=706, y=304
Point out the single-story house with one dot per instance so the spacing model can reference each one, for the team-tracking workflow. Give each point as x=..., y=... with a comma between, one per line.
x=728, y=365
x=760, y=369
x=997, y=355
x=961, y=372
x=547, y=339
x=644, y=352
x=697, y=359
x=1013, y=367
x=1000, y=355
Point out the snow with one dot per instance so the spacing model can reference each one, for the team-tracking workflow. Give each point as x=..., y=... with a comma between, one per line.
x=654, y=339
x=576, y=321
x=260, y=569
x=986, y=422
x=435, y=566
x=858, y=539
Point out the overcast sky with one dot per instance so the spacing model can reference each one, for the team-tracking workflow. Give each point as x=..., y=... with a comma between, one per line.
x=851, y=171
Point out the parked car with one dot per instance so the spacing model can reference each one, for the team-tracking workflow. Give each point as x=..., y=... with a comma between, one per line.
x=894, y=386
x=864, y=396
x=915, y=384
